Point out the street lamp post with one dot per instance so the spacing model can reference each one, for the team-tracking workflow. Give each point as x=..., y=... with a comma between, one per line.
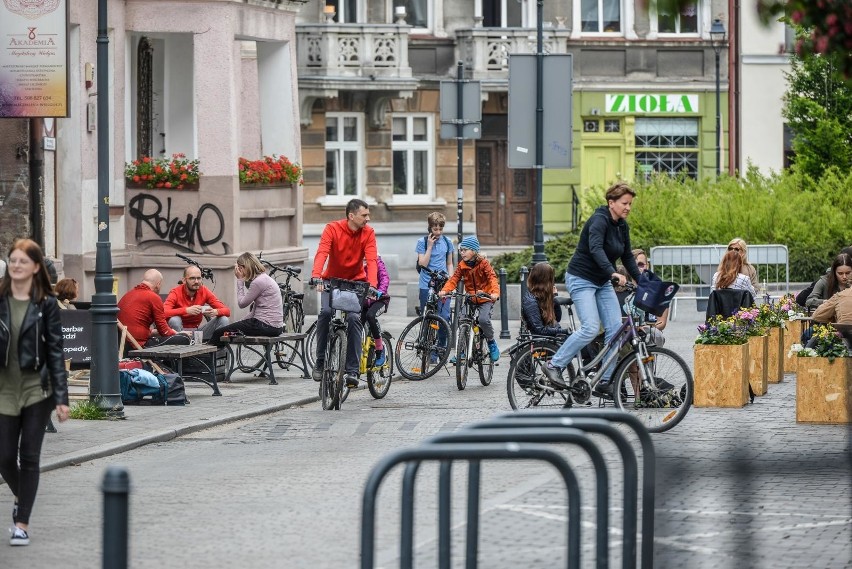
x=717, y=36
x=538, y=238
x=104, y=373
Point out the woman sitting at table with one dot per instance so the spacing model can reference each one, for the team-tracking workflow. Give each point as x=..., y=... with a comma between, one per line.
x=838, y=278
x=730, y=274
x=748, y=269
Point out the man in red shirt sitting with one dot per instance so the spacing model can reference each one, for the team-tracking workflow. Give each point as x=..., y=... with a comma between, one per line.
x=345, y=244
x=141, y=307
x=193, y=305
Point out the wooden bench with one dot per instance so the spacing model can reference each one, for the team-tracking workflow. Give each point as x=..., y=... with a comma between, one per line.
x=294, y=342
x=177, y=354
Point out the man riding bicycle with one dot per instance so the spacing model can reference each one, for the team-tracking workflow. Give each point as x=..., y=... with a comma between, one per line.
x=345, y=244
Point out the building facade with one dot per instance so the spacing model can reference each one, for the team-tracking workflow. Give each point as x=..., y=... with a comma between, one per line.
x=369, y=80
x=212, y=80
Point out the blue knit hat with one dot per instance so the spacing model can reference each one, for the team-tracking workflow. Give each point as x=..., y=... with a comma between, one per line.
x=470, y=242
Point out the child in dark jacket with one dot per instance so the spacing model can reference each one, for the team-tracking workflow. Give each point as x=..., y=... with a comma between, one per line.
x=538, y=307
x=372, y=308
x=479, y=276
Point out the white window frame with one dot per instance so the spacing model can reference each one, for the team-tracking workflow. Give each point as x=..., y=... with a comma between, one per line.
x=360, y=12
x=704, y=22
x=528, y=12
x=628, y=18
x=410, y=147
x=340, y=146
x=432, y=8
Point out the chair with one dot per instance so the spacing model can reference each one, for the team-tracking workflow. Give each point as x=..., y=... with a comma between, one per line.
x=727, y=301
x=127, y=337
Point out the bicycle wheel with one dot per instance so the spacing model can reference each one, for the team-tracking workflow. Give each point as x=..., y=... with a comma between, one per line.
x=379, y=378
x=251, y=359
x=332, y=377
x=417, y=352
x=483, y=361
x=664, y=401
x=284, y=353
x=342, y=388
x=311, y=345
x=463, y=358
x=526, y=385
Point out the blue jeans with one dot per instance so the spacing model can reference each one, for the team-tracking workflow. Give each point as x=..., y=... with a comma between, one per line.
x=594, y=305
x=443, y=311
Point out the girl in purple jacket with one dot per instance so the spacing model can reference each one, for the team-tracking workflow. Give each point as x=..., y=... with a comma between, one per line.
x=372, y=309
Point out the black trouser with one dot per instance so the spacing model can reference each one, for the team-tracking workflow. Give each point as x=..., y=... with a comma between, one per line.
x=173, y=340
x=371, y=317
x=28, y=427
x=249, y=327
x=353, y=336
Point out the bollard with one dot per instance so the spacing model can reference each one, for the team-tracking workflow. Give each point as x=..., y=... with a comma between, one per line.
x=116, y=489
x=524, y=272
x=504, y=307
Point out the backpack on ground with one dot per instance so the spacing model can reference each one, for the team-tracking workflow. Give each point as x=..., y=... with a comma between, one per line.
x=449, y=249
x=138, y=388
x=176, y=390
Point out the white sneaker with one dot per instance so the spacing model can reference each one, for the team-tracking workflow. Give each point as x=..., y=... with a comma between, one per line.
x=19, y=536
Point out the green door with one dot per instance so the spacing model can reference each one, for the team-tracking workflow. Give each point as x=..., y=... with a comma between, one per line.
x=602, y=165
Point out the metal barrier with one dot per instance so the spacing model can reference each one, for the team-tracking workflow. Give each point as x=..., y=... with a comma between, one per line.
x=502, y=437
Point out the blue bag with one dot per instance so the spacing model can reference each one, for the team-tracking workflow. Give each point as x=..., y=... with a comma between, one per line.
x=654, y=295
x=139, y=389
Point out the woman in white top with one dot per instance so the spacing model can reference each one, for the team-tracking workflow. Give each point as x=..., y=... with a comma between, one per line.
x=730, y=274
x=748, y=269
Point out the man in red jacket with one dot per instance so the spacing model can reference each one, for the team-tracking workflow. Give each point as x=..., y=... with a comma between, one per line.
x=142, y=307
x=193, y=305
x=345, y=244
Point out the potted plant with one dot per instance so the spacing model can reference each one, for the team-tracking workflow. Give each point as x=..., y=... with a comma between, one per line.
x=269, y=171
x=771, y=318
x=175, y=173
x=824, y=378
x=721, y=364
x=758, y=348
x=793, y=315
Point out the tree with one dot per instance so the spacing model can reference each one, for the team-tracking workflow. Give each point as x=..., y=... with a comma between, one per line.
x=818, y=108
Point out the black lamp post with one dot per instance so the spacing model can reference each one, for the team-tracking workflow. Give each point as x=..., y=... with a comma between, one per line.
x=538, y=238
x=104, y=385
x=717, y=36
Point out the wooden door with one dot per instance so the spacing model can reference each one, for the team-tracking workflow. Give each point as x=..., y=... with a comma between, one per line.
x=505, y=198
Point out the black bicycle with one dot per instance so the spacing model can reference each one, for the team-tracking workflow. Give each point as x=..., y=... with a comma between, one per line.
x=471, y=346
x=418, y=352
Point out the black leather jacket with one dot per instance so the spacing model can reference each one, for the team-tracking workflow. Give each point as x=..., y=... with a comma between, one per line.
x=531, y=314
x=39, y=344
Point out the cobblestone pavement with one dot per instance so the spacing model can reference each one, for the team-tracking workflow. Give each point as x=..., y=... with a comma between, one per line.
x=245, y=480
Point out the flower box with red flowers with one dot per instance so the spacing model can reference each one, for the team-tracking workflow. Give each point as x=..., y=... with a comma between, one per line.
x=175, y=173
x=269, y=171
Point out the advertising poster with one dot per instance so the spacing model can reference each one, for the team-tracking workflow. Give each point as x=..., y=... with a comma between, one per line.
x=33, y=58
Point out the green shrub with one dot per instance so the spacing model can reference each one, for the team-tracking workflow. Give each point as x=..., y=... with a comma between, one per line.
x=88, y=410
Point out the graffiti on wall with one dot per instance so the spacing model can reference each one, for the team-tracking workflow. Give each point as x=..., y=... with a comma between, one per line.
x=201, y=232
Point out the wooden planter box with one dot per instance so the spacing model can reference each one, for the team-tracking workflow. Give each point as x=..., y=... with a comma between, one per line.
x=792, y=335
x=758, y=356
x=721, y=375
x=824, y=390
x=775, y=365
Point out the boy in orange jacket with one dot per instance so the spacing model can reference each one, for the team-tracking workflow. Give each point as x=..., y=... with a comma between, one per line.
x=479, y=276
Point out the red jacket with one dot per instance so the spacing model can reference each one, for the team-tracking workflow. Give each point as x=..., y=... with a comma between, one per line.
x=346, y=251
x=178, y=301
x=140, y=308
x=481, y=276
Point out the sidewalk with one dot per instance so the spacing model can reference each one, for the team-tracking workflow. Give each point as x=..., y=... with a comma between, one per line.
x=246, y=397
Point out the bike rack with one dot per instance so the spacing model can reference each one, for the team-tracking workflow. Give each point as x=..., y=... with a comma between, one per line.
x=501, y=437
x=446, y=454
x=573, y=418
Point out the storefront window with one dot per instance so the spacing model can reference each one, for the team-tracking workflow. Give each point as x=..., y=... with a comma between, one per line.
x=668, y=145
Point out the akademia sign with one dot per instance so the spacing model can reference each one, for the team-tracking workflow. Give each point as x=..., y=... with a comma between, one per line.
x=34, y=58
x=660, y=103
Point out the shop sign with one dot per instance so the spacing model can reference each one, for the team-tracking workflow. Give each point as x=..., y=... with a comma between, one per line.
x=34, y=58
x=671, y=103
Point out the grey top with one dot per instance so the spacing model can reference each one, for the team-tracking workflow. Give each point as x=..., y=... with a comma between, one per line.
x=18, y=388
x=263, y=291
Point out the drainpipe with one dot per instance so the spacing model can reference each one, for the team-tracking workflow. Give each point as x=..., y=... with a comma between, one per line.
x=36, y=163
x=734, y=95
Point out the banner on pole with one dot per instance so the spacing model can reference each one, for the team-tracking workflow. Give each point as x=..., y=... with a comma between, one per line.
x=34, y=58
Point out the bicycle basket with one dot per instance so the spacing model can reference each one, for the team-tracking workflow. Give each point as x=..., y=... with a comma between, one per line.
x=654, y=295
x=348, y=296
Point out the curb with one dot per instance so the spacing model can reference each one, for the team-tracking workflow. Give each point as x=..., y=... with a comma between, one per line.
x=130, y=443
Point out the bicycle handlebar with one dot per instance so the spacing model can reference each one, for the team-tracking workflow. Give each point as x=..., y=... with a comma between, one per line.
x=290, y=270
x=206, y=273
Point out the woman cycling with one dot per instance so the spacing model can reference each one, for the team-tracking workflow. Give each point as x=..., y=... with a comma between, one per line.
x=604, y=239
x=540, y=312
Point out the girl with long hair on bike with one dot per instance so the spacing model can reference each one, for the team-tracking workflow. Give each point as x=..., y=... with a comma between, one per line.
x=605, y=238
x=372, y=308
x=540, y=312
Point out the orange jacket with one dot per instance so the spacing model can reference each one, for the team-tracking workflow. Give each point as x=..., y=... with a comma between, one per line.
x=480, y=276
x=346, y=251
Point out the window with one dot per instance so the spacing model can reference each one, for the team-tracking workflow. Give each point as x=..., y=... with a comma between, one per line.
x=669, y=146
x=601, y=15
x=343, y=148
x=346, y=10
x=412, y=155
x=674, y=20
x=417, y=13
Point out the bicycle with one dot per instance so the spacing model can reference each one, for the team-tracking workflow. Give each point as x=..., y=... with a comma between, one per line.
x=471, y=346
x=652, y=383
x=333, y=391
x=418, y=353
x=379, y=378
